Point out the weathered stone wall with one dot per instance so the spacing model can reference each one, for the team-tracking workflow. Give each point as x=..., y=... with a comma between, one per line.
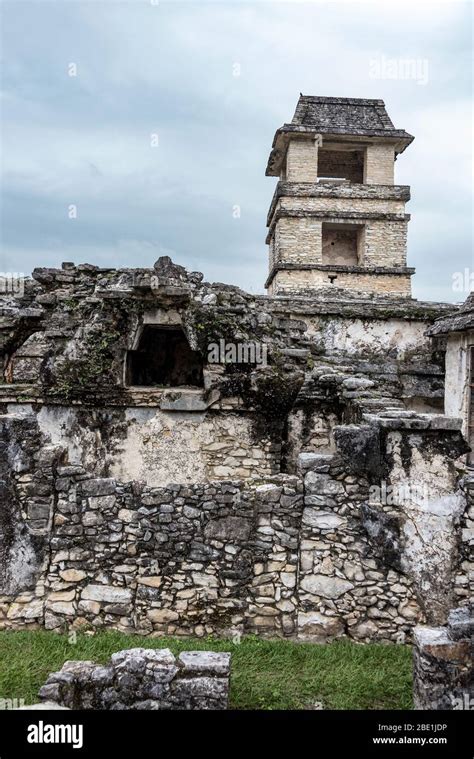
x=379, y=164
x=394, y=340
x=27, y=497
x=344, y=204
x=291, y=282
x=457, y=390
x=464, y=579
x=145, y=443
x=381, y=550
x=300, y=239
x=424, y=478
x=443, y=664
x=225, y=429
x=421, y=472
x=347, y=585
x=182, y=559
x=302, y=160
x=385, y=243
x=314, y=556
x=93, y=533
x=143, y=678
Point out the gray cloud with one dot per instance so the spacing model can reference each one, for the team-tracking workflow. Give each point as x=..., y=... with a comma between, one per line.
x=168, y=69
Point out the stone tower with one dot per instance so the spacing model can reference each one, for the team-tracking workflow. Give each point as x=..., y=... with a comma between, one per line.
x=337, y=218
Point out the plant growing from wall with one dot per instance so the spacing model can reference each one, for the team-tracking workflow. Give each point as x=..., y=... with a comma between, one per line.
x=94, y=373
x=269, y=391
x=272, y=395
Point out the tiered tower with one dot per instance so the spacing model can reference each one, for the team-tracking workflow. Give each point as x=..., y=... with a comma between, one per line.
x=336, y=217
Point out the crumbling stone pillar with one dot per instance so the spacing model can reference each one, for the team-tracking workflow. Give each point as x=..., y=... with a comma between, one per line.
x=28, y=466
x=418, y=454
x=443, y=669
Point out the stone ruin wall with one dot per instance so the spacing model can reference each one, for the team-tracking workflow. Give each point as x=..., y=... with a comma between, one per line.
x=310, y=555
x=442, y=663
x=284, y=536
x=147, y=444
x=142, y=678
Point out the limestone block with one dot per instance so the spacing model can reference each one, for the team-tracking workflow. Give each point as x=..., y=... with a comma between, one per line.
x=205, y=663
x=314, y=625
x=106, y=594
x=72, y=575
x=321, y=520
x=327, y=587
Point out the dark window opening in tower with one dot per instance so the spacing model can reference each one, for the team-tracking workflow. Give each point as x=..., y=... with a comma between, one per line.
x=341, y=244
x=345, y=165
x=163, y=358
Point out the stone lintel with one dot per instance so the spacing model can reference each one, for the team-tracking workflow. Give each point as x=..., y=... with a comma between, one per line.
x=328, y=189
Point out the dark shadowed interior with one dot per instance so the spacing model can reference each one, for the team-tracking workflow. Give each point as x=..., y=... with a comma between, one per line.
x=164, y=358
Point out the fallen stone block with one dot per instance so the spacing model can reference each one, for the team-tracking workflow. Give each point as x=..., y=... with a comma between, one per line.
x=142, y=678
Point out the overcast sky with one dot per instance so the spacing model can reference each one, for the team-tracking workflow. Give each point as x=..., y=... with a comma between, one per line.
x=87, y=85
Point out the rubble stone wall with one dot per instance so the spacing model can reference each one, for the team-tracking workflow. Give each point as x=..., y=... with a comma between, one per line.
x=252, y=538
x=143, y=678
x=347, y=583
x=181, y=559
x=464, y=579
x=427, y=495
x=312, y=556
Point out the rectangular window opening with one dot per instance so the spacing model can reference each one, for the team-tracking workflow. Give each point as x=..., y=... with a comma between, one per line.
x=341, y=166
x=163, y=358
x=341, y=244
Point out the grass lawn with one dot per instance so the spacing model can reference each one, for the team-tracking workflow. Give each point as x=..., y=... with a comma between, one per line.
x=265, y=674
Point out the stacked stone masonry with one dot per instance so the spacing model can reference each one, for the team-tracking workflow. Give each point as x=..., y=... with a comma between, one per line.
x=292, y=282
x=340, y=176
x=443, y=664
x=143, y=678
x=322, y=492
x=302, y=161
x=379, y=164
x=315, y=555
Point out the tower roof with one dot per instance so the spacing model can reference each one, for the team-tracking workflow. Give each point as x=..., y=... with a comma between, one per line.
x=356, y=117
